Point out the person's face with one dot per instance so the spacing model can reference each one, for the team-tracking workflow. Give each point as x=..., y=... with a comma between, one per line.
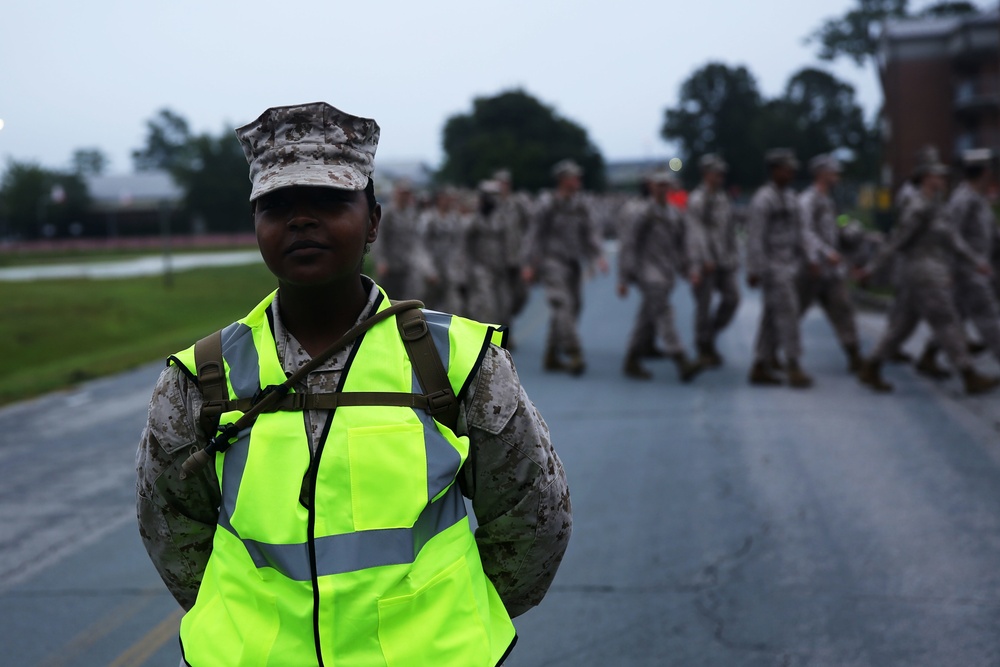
x=314, y=235
x=713, y=178
x=829, y=177
x=782, y=174
x=659, y=192
x=504, y=187
x=935, y=183
x=570, y=183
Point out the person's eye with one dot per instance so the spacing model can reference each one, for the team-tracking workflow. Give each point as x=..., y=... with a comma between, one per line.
x=269, y=203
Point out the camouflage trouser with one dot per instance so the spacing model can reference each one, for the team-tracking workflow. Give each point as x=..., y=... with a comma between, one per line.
x=779, y=321
x=655, y=319
x=929, y=295
x=832, y=295
x=977, y=302
x=563, y=283
x=488, y=299
x=708, y=324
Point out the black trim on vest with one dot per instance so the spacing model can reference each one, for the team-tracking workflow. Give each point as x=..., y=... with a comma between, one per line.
x=506, y=654
x=184, y=369
x=269, y=312
x=479, y=362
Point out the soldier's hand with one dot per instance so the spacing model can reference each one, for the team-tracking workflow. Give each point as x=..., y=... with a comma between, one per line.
x=985, y=269
x=694, y=278
x=528, y=274
x=753, y=280
x=709, y=267
x=861, y=275
x=622, y=290
x=815, y=269
x=382, y=268
x=602, y=265
x=834, y=258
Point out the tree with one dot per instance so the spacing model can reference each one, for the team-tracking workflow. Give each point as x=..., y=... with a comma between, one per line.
x=167, y=143
x=855, y=34
x=37, y=202
x=942, y=9
x=212, y=170
x=718, y=112
x=514, y=130
x=215, y=182
x=89, y=162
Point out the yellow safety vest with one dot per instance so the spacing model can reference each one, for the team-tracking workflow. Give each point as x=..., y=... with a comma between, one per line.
x=379, y=566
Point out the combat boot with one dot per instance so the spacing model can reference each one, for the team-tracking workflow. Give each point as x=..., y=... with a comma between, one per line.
x=708, y=356
x=687, y=370
x=634, y=369
x=552, y=362
x=978, y=384
x=854, y=360
x=761, y=374
x=927, y=364
x=871, y=375
x=575, y=364
x=797, y=377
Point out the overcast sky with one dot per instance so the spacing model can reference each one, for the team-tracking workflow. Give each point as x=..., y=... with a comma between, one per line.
x=90, y=74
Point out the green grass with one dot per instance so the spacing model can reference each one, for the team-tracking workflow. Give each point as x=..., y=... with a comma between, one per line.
x=56, y=333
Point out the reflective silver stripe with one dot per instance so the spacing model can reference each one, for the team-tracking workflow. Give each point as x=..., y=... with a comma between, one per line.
x=351, y=552
x=244, y=362
x=232, y=476
x=439, y=324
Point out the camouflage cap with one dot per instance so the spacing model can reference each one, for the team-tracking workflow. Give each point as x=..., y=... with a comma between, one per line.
x=664, y=176
x=309, y=144
x=490, y=187
x=502, y=175
x=781, y=157
x=712, y=162
x=567, y=168
x=978, y=157
x=825, y=161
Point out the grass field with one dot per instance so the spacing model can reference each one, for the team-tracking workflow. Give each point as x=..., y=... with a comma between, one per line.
x=55, y=333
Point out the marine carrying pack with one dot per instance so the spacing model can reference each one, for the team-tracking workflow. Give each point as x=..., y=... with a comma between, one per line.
x=438, y=399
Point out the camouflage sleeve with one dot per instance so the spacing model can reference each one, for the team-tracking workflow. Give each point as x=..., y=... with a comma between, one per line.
x=177, y=518
x=517, y=485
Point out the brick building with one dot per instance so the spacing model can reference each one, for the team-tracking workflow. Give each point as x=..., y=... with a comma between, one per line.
x=941, y=80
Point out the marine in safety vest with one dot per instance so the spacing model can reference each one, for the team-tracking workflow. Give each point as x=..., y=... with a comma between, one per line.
x=329, y=527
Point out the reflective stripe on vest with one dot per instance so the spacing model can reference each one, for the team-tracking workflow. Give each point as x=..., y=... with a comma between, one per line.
x=383, y=555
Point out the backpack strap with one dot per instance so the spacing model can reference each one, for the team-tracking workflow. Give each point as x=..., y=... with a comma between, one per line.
x=442, y=404
x=211, y=369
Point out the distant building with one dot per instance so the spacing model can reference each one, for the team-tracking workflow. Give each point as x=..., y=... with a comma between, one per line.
x=131, y=204
x=941, y=80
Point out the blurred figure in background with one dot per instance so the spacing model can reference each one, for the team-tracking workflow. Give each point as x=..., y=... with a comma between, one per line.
x=713, y=242
x=444, y=238
x=487, y=246
x=655, y=246
x=828, y=286
x=927, y=246
x=777, y=248
x=401, y=260
x=562, y=244
x=514, y=213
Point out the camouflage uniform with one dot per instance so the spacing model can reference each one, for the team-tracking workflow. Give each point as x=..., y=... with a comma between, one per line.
x=777, y=244
x=973, y=218
x=654, y=247
x=829, y=285
x=400, y=248
x=713, y=238
x=488, y=249
x=444, y=238
x=515, y=478
x=562, y=243
x=926, y=245
x=514, y=216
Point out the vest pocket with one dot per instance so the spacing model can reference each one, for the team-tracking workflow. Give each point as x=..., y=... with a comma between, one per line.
x=439, y=624
x=388, y=467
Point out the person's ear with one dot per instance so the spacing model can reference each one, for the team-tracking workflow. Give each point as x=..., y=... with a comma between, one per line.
x=374, y=218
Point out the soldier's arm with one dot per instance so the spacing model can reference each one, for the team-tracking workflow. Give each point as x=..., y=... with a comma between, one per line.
x=517, y=485
x=177, y=518
x=756, y=219
x=914, y=219
x=695, y=232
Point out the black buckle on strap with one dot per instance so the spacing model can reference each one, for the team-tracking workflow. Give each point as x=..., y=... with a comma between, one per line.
x=415, y=329
x=439, y=401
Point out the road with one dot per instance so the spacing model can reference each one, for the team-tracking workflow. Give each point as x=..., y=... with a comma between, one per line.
x=715, y=523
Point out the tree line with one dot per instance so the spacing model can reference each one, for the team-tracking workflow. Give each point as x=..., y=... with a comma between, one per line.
x=720, y=109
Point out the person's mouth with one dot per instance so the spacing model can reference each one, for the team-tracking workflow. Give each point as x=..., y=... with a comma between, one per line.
x=304, y=245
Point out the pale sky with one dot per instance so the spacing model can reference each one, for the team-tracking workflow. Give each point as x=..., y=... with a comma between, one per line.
x=90, y=74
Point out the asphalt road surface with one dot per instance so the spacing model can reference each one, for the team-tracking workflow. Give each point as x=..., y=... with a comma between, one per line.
x=715, y=523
